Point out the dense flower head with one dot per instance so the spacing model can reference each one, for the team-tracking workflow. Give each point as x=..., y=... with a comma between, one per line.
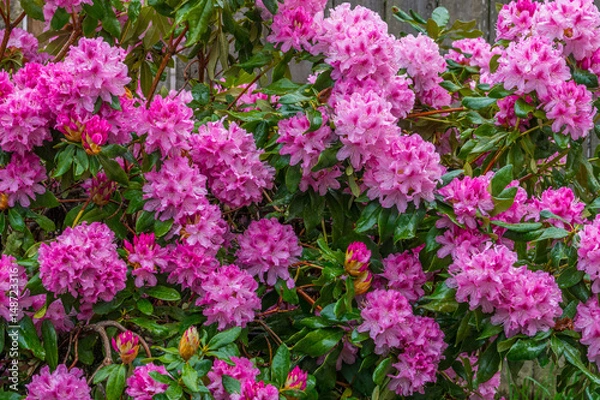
x=532, y=64
x=475, y=52
x=356, y=44
x=23, y=122
x=256, y=390
x=26, y=77
x=21, y=179
x=457, y=241
x=58, y=385
x=418, y=363
x=267, y=250
x=515, y=19
x=530, y=303
x=574, y=22
x=141, y=386
x=420, y=55
x=84, y=262
x=404, y=273
x=205, y=228
x=146, y=257
x=231, y=161
x=6, y=86
x=71, y=6
x=229, y=298
x=25, y=42
x=357, y=258
x=322, y=180
x=303, y=146
x=177, y=190
x=587, y=322
x=294, y=24
x=242, y=370
x=589, y=252
x=123, y=121
x=570, y=106
x=168, y=123
x=560, y=202
x=363, y=120
x=99, y=68
x=127, y=345
x=523, y=301
x=189, y=266
x=386, y=315
x=469, y=196
x=407, y=170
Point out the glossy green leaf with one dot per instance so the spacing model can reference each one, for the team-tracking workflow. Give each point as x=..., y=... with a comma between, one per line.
x=368, y=217
x=319, y=342
x=280, y=366
x=116, y=383
x=163, y=293
x=113, y=170
x=477, y=103
x=489, y=363
x=189, y=377
x=381, y=371
x=28, y=338
x=224, y=338
x=526, y=349
x=50, y=343
x=522, y=108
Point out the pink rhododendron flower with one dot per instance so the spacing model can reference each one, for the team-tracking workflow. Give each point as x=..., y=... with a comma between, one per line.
x=205, y=228
x=404, y=273
x=457, y=241
x=574, y=22
x=532, y=64
x=177, y=190
x=14, y=298
x=189, y=266
x=407, y=170
x=99, y=188
x=141, y=386
x=296, y=379
x=58, y=385
x=469, y=196
x=84, y=262
x=242, y=370
x=570, y=106
x=475, y=52
x=357, y=258
x=94, y=135
x=562, y=203
x=123, y=121
x=21, y=179
x=267, y=250
x=321, y=181
x=146, y=257
x=231, y=161
x=253, y=390
x=229, y=298
x=589, y=252
x=421, y=57
x=26, y=43
x=168, y=123
x=587, y=322
x=515, y=19
x=294, y=24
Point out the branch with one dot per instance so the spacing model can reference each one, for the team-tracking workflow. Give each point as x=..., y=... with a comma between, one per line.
x=117, y=325
x=434, y=112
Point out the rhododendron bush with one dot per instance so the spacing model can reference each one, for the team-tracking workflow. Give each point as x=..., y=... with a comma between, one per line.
x=416, y=219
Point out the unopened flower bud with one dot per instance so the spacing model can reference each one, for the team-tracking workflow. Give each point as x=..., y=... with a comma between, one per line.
x=357, y=258
x=127, y=346
x=363, y=283
x=3, y=201
x=95, y=135
x=296, y=379
x=189, y=343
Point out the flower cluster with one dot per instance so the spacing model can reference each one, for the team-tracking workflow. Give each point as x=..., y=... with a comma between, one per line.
x=242, y=370
x=586, y=322
x=58, y=385
x=515, y=19
x=522, y=300
x=404, y=273
x=21, y=179
x=83, y=261
x=570, y=106
x=231, y=161
x=560, y=202
x=146, y=257
x=589, y=253
x=294, y=24
x=469, y=197
x=141, y=386
x=267, y=250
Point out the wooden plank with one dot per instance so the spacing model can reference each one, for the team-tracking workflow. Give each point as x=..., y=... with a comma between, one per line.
x=467, y=10
x=422, y=7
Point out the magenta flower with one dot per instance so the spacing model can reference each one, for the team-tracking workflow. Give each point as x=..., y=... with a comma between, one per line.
x=229, y=298
x=206, y=228
x=267, y=250
x=515, y=19
x=322, y=180
x=141, y=386
x=127, y=346
x=190, y=266
x=294, y=24
x=22, y=178
x=242, y=370
x=587, y=322
x=562, y=203
x=26, y=43
x=404, y=273
x=296, y=379
x=94, y=135
x=589, y=252
x=570, y=106
x=253, y=390
x=58, y=385
x=357, y=258
x=469, y=197
x=146, y=257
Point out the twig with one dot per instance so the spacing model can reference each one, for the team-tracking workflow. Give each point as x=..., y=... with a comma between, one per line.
x=19, y=19
x=76, y=349
x=309, y=299
x=434, y=112
x=270, y=331
x=7, y=29
x=72, y=39
x=115, y=324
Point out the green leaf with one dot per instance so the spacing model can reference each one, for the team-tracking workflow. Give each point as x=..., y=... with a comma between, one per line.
x=231, y=385
x=381, y=371
x=587, y=78
x=113, y=170
x=45, y=200
x=190, y=377
x=443, y=299
x=145, y=306
x=526, y=349
x=281, y=87
x=32, y=9
x=151, y=326
x=29, y=339
x=520, y=227
x=441, y=16
x=163, y=293
x=64, y=161
x=319, y=342
x=368, y=218
x=59, y=19
x=280, y=366
x=110, y=23
x=569, y=277
x=224, y=338
x=116, y=383
x=258, y=60
x=501, y=179
x=489, y=363
x=271, y=5
x=573, y=356
x=552, y=233
x=16, y=220
x=201, y=94
x=407, y=224
x=477, y=103
x=197, y=20
x=498, y=92
x=327, y=159
x=104, y=373
x=522, y=108
x=293, y=176
x=44, y=222
x=50, y=343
